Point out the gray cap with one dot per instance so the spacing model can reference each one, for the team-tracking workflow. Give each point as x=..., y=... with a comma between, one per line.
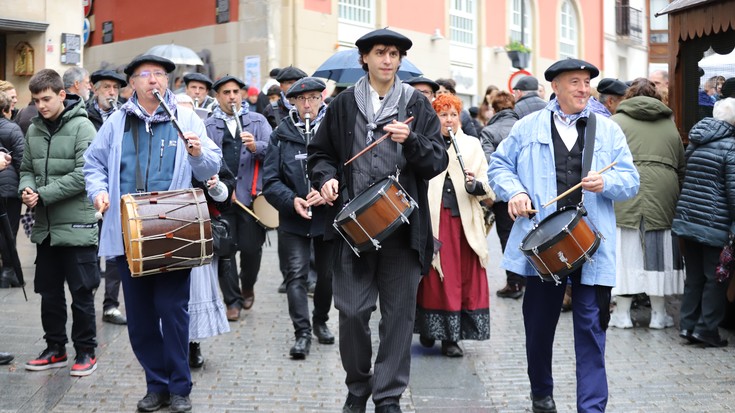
x=527, y=83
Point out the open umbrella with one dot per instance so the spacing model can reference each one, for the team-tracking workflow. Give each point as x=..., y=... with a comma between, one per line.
x=180, y=55
x=344, y=67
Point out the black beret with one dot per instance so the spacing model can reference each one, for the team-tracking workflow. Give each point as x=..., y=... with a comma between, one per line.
x=290, y=73
x=420, y=79
x=383, y=36
x=526, y=83
x=474, y=111
x=227, y=78
x=198, y=77
x=728, y=88
x=567, y=65
x=610, y=86
x=305, y=84
x=167, y=65
x=274, y=72
x=108, y=75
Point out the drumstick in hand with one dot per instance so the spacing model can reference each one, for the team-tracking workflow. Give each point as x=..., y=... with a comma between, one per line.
x=98, y=213
x=575, y=187
x=374, y=144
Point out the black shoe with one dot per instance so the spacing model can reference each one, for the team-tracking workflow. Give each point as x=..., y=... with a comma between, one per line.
x=710, y=340
x=510, y=291
x=114, y=316
x=153, y=401
x=322, y=333
x=687, y=335
x=451, y=349
x=282, y=287
x=300, y=349
x=543, y=404
x=310, y=288
x=8, y=278
x=355, y=404
x=6, y=358
x=388, y=408
x=426, y=342
x=180, y=403
x=196, y=360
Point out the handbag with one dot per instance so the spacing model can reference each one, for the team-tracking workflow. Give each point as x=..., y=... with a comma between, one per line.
x=726, y=266
x=28, y=219
x=223, y=243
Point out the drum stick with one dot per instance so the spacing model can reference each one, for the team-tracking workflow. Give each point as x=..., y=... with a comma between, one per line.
x=98, y=213
x=531, y=211
x=575, y=187
x=374, y=144
x=248, y=210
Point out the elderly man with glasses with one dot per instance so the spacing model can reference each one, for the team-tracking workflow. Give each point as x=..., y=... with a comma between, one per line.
x=139, y=150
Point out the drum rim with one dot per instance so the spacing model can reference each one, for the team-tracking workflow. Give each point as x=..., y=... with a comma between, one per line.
x=556, y=238
x=362, y=208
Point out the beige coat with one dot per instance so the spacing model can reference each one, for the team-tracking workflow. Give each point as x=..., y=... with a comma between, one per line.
x=470, y=211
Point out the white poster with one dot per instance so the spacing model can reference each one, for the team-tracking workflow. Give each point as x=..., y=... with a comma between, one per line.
x=252, y=71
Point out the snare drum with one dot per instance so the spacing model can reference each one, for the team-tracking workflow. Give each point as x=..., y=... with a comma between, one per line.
x=166, y=231
x=560, y=244
x=374, y=214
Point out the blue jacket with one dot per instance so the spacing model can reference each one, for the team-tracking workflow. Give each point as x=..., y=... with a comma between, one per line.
x=102, y=170
x=524, y=162
x=256, y=124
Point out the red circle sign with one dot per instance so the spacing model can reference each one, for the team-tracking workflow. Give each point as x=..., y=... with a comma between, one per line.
x=87, y=7
x=515, y=77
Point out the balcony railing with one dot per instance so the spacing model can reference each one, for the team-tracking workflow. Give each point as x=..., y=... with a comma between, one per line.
x=629, y=22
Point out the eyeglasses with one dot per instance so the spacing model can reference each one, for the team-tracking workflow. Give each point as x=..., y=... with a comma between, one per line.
x=303, y=98
x=147, y=73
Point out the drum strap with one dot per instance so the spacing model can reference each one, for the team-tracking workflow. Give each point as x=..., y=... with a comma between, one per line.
x=589, y=144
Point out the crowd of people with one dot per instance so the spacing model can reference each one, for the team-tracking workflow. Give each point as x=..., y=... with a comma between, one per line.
x=612, y=157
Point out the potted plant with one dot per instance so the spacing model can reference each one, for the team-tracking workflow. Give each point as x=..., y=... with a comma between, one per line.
x=518, y=54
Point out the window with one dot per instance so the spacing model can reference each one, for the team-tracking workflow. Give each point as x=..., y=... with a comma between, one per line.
x=568, y=42
x=357, y=11
x=462, y=21
x=515, y=21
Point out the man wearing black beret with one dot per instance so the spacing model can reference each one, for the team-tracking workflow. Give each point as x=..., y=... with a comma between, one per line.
x=527, y=99
x=106, y=85
x=302, y=214
x=286, y=77
x=243, y=137
x=197, y=87
x=547, y=153
x=611, y=93
x=427, y=87
x=379, y=103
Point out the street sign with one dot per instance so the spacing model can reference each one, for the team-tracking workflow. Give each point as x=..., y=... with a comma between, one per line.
x=85, y=31
x=87, y=7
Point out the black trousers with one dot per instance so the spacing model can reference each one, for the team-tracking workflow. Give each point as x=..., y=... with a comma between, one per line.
x=295, y=251
x=250, y=237
x=704, y=301
x=503, y=224
x=112, y=286
x=78, y=267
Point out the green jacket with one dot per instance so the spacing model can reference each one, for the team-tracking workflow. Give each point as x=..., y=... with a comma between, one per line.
x=658, y=154
x=52, y=166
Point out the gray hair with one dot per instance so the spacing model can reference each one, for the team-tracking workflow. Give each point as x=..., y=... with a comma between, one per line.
x=74, y=74
x=724, y=110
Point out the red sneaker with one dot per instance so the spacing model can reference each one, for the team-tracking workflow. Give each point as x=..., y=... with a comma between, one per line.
x=84, y=365
x=51, y=358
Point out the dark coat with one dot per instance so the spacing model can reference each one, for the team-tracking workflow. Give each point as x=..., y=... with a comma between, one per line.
x=424, y=150
x=274, y=116
x=284, y=179
x=24, y=116
x=11, y=139
x=497, y=129
x=706, y=207
x=528, y=104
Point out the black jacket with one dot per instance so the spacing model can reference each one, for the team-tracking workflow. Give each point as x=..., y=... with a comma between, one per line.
x=275, y=116
x=424, y=151
x=284, y=179
x=528, y=104
x=706, y=207
x=497, y=129
x=11, y=139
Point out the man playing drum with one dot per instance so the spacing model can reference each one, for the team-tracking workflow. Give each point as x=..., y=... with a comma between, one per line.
x=243, y=136
x=540, y=159
x=139, y=150
x=378, y=104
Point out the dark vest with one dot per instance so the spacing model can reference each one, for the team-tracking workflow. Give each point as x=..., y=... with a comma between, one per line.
x=231, y=149
x=568, y=164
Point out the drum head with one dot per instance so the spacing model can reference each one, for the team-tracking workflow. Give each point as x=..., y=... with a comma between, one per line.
x=267, y=213
x=549, y=231
x=366, y=198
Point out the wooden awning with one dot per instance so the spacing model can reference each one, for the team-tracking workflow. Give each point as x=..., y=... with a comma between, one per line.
x=697, y=18
x=679, y=5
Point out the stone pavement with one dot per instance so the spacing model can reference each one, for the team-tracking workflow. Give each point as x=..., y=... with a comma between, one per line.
x=248, y=370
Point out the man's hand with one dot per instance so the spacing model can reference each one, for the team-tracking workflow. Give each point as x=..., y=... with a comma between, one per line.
x=399, y=131
x=102, y=202
x=211, y=182
x=519, y=205
x=315, y=198
x=248, y=140
x=29, y=197
x=193, y=144
x=593, y=182
x=330, y=191
x=301, y=207
x=5, y=160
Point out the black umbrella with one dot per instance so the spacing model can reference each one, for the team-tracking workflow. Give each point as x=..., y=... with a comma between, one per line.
x=7, y=247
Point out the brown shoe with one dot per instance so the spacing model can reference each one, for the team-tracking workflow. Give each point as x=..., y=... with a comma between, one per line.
x=566, y=305
x=510, y=290
x=248, y=297
x=233, y=313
